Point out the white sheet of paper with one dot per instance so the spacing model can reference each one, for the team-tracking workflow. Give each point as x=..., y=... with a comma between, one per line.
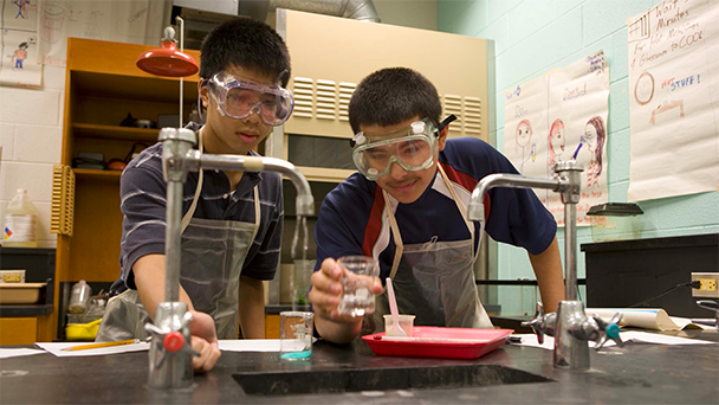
x=686, y=323
x=9, y=353
x=250, y=345
x=662, y=339
x=530, y=340
x=56, y=349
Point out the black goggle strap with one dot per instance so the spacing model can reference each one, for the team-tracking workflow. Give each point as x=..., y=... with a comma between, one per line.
x=447, y=121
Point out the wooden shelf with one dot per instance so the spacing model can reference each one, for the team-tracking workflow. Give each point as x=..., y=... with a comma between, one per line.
x=155, y=89
x=103, y=175
x=115, y=132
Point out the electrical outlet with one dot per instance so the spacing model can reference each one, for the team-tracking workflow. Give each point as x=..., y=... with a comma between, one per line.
x=709, y=285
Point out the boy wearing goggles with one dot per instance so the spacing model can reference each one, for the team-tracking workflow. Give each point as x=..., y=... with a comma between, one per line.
x=232, y=221
x=407, y=208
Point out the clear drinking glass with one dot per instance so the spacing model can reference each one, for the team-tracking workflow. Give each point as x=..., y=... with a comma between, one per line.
x=358, y=278
x=296, y=330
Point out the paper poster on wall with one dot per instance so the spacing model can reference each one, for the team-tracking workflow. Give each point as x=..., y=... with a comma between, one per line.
x=18, y=43
x=557, y=117
x=137, y=21
x=674, y=99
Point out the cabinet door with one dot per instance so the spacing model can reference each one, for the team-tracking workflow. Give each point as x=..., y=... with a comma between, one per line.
x=18, y=331
x=272, y=326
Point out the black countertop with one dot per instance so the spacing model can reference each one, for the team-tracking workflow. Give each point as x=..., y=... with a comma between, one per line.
x=637, y=374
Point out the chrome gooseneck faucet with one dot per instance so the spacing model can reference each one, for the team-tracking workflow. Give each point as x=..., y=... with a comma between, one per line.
x=170, y=350
x=570, y=326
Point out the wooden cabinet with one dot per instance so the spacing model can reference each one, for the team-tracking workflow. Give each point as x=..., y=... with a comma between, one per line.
x=102, y=87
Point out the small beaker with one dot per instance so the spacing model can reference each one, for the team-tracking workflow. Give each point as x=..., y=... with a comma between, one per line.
x=358, y=278
x=296, y=330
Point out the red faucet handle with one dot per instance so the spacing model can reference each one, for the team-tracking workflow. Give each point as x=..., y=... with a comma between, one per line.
x=173, y=341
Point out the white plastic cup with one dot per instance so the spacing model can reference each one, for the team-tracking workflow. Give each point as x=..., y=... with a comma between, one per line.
x=406, y=322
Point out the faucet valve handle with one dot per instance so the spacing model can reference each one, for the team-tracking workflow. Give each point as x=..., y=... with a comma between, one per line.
x=537, y=323
x=609, y=330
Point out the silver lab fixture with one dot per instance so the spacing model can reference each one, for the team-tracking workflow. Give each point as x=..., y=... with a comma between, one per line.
x=570, y=326
x=170, y=351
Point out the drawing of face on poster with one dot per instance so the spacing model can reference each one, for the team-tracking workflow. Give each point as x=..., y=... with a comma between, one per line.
x=523, y=138
x=524, y=133
x=557, y=142
x=594, y=136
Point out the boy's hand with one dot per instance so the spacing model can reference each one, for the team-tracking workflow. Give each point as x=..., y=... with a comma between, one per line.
x=204, y=341
x=326, y=291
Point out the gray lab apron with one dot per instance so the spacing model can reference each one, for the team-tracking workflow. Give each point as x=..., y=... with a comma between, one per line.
x=213, y=253
x=435, y=280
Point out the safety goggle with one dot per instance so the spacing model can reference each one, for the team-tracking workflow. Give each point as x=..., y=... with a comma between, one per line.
x=411, y=148
x=238, y=99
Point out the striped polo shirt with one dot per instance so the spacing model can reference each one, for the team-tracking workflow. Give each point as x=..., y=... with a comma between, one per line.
x=143, y=200
x=353, y=218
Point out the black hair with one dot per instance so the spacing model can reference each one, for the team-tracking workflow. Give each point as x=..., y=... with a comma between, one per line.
x=248, y=44
x=23, y=44
x=392, y=95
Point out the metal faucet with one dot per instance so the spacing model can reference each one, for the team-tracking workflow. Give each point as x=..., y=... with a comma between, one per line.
x=170, y=350
x=570, y=326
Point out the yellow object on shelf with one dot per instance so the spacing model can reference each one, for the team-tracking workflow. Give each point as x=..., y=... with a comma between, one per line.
x=82, y=331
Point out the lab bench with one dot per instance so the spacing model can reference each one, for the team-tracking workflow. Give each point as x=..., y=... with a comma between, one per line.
x=637, y=373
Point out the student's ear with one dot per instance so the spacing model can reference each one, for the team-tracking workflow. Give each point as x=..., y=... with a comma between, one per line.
x=202, y=90
x=443, y=137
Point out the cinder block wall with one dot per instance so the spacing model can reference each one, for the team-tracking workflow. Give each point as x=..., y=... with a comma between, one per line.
x=31, y=141
x=533, y=36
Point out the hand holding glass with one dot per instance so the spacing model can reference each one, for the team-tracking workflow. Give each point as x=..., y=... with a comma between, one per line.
x=358, y=278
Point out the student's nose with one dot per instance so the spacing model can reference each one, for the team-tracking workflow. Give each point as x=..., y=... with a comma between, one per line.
x=396, y=171
x=254, y=117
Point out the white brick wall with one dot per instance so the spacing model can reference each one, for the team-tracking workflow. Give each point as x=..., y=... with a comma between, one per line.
x=31, y=141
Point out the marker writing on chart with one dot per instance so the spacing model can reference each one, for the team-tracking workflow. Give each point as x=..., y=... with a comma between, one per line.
x=576, y=152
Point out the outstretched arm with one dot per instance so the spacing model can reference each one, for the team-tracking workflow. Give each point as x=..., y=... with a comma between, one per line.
x=548, y=269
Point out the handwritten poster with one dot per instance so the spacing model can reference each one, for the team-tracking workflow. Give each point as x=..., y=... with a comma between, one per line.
x=558, y=117
x=674, y=99
x=18, y=43
x=130, y=21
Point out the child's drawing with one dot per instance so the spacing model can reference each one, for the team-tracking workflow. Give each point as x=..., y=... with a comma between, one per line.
x=557, y=142
x=523, y=139
x=21, y=12
x=594, y=137
x=19, y=56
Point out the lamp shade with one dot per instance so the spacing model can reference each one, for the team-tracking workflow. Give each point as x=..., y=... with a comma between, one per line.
x=167, y=61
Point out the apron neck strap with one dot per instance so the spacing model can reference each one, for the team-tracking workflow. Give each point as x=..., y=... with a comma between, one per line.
x=399, y=246
x=200, y=179
x=189, y=214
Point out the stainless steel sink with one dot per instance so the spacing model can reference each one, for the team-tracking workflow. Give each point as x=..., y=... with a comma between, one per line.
x=380, y=379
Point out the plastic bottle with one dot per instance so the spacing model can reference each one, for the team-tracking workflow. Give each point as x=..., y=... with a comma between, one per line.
x=20, y=222
x=80, y=298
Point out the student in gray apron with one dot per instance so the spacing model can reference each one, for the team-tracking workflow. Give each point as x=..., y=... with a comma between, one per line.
x=231, y=229
x=406, y=207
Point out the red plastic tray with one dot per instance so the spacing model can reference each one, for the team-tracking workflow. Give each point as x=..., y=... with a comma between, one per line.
x=487, y=340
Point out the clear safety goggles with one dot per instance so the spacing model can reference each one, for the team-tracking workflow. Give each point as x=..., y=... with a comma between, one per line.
x=238, y=99
x=411, y=148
